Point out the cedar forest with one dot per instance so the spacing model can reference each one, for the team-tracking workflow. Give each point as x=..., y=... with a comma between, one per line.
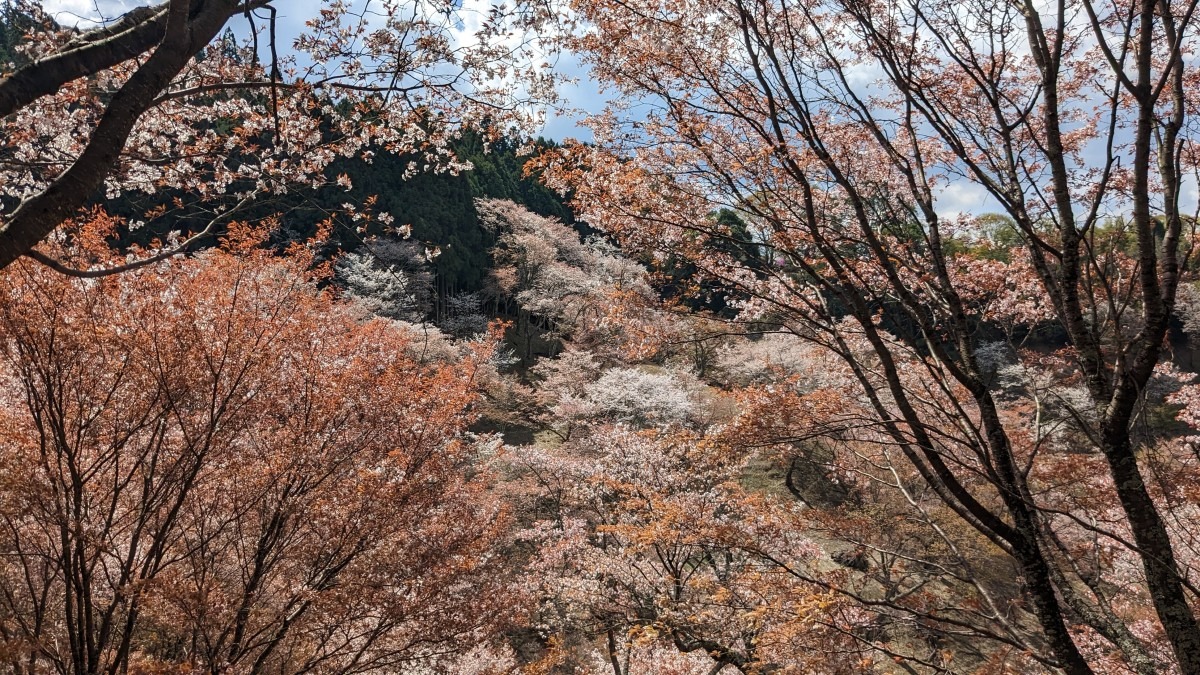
x=315, y=358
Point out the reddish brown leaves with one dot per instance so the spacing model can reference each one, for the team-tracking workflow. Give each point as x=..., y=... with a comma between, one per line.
x=211, y=463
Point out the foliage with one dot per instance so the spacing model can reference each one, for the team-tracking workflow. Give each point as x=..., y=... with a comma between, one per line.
x=649, y=539
x=583, y=289
x=840, y=130
x=388, y=278
x=157, y=102
x=209, y=464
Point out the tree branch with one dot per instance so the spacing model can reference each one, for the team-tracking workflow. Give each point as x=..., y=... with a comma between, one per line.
x=94, y=51
x=57, y=266
x=189, y=26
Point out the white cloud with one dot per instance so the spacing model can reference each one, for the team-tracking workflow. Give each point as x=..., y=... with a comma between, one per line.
x=961, y=197
x=88, y=13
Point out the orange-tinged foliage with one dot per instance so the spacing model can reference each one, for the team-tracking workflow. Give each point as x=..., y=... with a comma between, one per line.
x=211, y=465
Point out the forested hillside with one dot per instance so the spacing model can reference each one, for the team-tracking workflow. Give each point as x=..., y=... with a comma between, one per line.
x=434, y=211
x=860, y=338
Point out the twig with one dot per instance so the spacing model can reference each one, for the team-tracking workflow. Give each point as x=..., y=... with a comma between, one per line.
x=130, y=266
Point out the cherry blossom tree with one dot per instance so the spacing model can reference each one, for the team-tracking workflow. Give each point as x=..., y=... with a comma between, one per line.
x=840, y=130
x=582, y=291
x=209, y=465
x=388, y=279
x=648, y=541
x=156, y=101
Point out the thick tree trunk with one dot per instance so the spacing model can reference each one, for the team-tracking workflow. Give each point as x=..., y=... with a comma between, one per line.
x=189, y=26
